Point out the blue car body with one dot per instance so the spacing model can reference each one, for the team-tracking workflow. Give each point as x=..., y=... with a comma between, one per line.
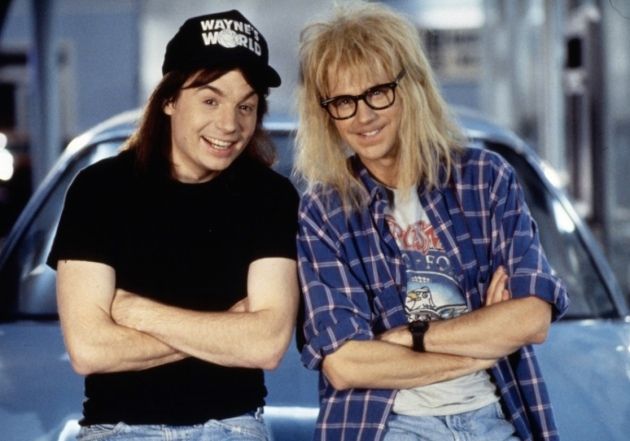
x=586, y=360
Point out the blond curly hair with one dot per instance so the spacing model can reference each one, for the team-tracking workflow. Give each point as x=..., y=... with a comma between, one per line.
x=358, y=38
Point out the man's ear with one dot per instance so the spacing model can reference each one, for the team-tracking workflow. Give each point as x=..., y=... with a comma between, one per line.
x=167, y=107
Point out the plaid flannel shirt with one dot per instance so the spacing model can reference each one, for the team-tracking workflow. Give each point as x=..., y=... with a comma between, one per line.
x=354, y=284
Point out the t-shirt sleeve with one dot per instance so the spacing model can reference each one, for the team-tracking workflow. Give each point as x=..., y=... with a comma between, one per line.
x=277, y=223
x=85, y=228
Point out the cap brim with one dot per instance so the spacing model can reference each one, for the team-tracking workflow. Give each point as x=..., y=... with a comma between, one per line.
x=273, y=78
x=262, y=74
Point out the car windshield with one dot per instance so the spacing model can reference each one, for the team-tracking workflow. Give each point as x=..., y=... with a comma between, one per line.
x=562, y=243
x=27, y=285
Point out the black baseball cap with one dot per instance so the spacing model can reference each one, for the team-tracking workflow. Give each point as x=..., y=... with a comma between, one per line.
x=224, y=39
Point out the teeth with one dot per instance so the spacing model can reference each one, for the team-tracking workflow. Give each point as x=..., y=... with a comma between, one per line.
x=218, y=144
x=372, y=133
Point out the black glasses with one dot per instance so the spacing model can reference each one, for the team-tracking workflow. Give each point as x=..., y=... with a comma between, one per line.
x=377, y=97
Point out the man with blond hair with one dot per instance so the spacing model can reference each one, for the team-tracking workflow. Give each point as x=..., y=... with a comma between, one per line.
x=424, y=281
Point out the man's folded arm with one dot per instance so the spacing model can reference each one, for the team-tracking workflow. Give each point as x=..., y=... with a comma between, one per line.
x=95, y=343
x=255, y=334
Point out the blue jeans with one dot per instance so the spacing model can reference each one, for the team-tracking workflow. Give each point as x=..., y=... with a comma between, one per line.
x=485, y=424
x=247, y=427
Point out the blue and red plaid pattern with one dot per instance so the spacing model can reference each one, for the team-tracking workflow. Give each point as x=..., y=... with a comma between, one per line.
x=353, y=279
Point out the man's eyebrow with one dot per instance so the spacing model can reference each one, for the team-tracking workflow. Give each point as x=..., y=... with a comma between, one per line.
x=249, y=95
x=222, y=94
x=211, y=88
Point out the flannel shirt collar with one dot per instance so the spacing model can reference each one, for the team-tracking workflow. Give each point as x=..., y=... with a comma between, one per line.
x=378, y=191
x=375, y=189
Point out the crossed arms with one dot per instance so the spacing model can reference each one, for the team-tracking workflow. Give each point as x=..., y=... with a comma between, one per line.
x=110, y=330
x=454, y=347
x=341, y=314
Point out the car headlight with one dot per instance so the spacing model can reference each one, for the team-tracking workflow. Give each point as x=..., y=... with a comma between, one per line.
x=6, y=160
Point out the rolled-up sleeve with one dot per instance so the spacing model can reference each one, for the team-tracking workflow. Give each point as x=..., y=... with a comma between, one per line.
x=516, y=244
x=337, y=308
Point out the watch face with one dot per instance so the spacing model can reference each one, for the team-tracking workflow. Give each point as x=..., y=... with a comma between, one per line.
x=417, y=329
x=419, y=326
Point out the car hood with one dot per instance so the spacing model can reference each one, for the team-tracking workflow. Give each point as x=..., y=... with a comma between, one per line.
x=40, y=395
x=596, y=407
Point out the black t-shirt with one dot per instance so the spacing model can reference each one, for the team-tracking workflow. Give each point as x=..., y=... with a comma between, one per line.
x=187, y=245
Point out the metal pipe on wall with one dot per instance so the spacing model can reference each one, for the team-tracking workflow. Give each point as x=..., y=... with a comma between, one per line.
x=45, y=139
x=585, y=102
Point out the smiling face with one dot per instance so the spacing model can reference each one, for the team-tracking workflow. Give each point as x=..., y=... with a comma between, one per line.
x=371, y=134
x=211, y=126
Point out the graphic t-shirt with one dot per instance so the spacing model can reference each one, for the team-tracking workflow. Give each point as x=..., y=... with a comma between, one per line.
x=433, y=293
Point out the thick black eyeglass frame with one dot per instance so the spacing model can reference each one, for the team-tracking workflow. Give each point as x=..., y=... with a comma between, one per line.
x=325, y=102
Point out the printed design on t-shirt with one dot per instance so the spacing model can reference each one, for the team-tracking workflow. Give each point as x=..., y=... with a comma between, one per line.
x=433, y=292
x=419, y=236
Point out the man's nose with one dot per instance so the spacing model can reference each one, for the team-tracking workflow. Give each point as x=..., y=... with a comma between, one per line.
x=227, y=119
x=364, y=112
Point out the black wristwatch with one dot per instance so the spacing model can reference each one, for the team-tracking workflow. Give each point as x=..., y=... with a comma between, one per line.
x=418, y=328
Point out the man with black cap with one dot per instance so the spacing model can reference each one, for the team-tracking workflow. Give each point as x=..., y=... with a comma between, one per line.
x=176, y=258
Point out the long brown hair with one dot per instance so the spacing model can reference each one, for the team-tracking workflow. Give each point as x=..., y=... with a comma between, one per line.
x=152, y=140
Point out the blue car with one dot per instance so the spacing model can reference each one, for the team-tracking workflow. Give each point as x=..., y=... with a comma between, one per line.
x=586, y=360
